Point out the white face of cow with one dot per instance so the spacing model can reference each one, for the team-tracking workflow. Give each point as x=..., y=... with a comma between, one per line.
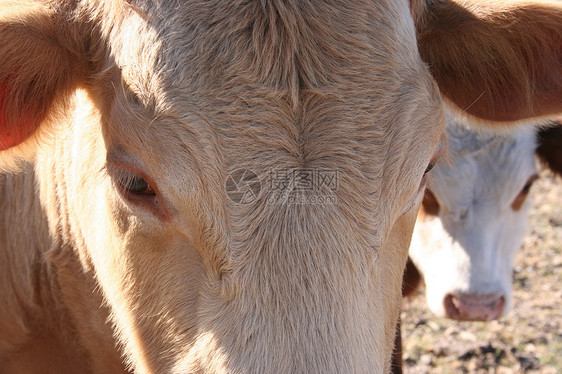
x=181, y=100
x=473, y=220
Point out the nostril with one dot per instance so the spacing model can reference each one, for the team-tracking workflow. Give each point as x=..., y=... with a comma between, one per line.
x=450, y=302
x=498, y=308
x=473, y=307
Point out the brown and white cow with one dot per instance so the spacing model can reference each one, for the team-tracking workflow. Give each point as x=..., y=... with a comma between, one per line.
x=119, y=241
x=474, y=216
x=490, y=175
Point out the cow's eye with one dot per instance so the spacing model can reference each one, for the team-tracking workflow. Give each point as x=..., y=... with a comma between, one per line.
x=528, y=186
x=134, y=184
x=429, y=168
x=137, y=188
x=520, y=199
x=437, y=154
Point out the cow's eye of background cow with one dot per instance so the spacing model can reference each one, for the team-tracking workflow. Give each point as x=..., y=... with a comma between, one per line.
x=529, y=183
x=520, y=199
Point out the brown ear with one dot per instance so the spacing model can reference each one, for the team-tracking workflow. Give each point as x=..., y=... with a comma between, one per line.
x=497, y=60
x=549, y=148
x=37, y=68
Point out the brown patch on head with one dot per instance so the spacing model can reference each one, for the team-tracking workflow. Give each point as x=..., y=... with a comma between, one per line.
x=429, y=207
x=549, y=150
x=520, y=199
x=411, y=280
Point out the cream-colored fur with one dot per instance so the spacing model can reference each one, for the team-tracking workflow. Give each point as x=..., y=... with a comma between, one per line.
x=183, y=93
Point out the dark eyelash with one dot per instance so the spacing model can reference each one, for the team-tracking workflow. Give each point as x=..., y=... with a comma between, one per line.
x=133, y=183
x=136, y=188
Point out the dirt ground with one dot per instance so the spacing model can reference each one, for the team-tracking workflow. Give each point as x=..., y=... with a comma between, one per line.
x=529, y=338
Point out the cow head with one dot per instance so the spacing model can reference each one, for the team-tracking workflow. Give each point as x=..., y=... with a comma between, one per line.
x=144, y=118
x=474, y=216
x=472, y=220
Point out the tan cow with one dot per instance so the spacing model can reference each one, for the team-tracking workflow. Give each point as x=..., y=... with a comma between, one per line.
x=125, y=241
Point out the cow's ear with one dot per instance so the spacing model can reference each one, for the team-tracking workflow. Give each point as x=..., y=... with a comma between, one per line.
x=39, y=67
x=549, y=149
x=499, y=61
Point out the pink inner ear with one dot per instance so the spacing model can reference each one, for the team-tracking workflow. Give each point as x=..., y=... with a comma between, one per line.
x=17, y=130
x=11, y=137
